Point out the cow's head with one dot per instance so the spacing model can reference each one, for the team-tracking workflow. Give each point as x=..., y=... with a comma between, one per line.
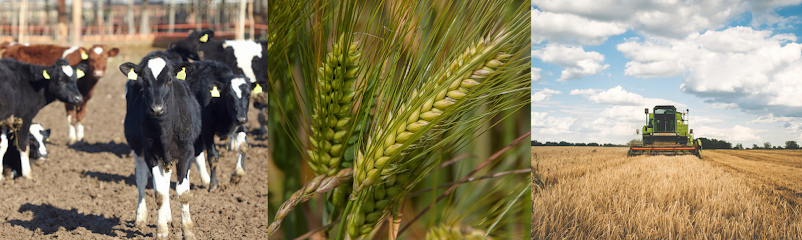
x=60, y=80
x=157, y=77
x=188, y=47
x=98, y=56
x=237, y=97
x=38, y=136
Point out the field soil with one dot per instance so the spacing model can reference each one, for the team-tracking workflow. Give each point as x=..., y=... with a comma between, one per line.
x=88, y=190
x=599, y=193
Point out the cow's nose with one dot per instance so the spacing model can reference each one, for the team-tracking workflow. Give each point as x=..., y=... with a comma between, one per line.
x=99, y=73
x=157, y=109
x=242, y=120
x=78, y=99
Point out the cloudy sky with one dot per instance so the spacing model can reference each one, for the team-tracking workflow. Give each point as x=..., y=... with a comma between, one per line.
x=735, y=64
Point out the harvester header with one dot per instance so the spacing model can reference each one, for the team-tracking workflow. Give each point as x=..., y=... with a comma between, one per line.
x=666, y=133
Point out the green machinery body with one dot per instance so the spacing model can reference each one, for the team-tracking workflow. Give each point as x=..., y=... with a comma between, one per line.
x=666, y=133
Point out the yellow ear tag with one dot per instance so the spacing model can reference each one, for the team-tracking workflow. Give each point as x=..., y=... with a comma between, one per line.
x=132, y=75
x=257, y=89
x=204, y=38
x=79, y=73
x=83, y=55
x=44, y=72
x=214, y=92
x=182, y=74
x=47, y=139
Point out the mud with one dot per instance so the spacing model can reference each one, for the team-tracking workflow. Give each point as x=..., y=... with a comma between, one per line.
x=88, y=190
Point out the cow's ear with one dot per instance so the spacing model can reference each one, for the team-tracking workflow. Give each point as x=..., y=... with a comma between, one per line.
x=84, y=56
x=205, y=35
x=113, y=52
x=181, y=70
x=130, y=69
x=81, y=69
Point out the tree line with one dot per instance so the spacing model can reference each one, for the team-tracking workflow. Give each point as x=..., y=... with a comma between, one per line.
x=564, y=143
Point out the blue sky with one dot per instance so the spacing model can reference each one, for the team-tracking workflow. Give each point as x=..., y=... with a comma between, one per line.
x=735, y=64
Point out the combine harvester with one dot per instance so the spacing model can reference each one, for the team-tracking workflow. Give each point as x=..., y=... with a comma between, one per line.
x=666, y=133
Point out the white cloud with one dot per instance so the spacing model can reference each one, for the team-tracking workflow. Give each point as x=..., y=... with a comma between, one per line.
x=699, y=121
x=723, y=105
x=769, y=118
x=575, y=60
x=616, y=96
x=582, y=92
x=551, y=125
x=536, y=74
x=737, y=133
x=569, y=28
x=738, y=66
x=544, y=95
x=666, y=19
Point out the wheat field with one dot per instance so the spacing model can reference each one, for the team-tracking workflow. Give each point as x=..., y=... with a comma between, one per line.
x=599, y=193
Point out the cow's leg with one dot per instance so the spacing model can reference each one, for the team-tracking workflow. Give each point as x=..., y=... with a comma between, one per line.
x=161, y=183
x=182, y=190
x=239, y=169
x=213, y=158
x=262, y=118
x=71, y=135
x=200, y=163
x=80, y=114
x=25, y=162
x=3, y=146
x=141, y=183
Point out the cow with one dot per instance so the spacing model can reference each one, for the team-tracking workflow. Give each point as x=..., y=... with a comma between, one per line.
x=242, y=56
x=45, y=55
x=224, y=98
x=24, y=90
x=38, y=136
x=162, y=124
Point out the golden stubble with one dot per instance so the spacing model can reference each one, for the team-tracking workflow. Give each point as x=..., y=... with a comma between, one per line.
x=652, y=197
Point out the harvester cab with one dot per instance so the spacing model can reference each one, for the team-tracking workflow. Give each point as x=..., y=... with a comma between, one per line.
x=666, y=133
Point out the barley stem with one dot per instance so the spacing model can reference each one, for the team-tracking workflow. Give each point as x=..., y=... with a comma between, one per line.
x=319, y=184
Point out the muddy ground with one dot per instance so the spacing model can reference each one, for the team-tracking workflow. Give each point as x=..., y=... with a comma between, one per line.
x=88, y=190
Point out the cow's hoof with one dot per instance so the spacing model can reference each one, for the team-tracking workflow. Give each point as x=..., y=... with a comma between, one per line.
x=212, y=188
x=140, y=225
x=189, y=236
x=236, y=179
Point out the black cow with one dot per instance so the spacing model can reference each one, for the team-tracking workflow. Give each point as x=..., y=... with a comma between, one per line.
x=24, y=90
x=223, y=97
x=38, y=136
x=162, y=124
x=242, y=56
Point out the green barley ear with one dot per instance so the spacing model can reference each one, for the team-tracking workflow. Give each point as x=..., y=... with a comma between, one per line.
x=379, y=171
x=427, y=107
x=332, y=108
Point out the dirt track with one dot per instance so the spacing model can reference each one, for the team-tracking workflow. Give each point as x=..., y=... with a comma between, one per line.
x=88, y=190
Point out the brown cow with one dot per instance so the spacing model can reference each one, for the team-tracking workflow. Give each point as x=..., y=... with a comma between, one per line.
x=46, y=55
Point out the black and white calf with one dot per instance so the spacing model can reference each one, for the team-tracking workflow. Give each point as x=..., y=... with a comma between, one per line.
x=223, y=97
x=24, y=90
x=242, y=56
x=162, y=124
x=38, y=136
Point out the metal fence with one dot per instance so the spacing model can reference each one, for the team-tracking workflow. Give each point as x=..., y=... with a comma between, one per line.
x=54, y=21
